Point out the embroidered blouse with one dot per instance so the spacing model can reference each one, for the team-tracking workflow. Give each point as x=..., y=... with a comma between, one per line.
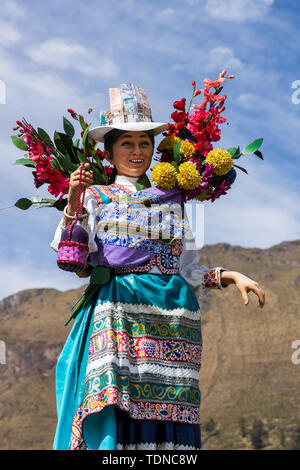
x=198, y=277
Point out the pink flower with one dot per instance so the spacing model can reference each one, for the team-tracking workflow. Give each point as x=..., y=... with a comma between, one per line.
x=36, y=150
x=213, y=83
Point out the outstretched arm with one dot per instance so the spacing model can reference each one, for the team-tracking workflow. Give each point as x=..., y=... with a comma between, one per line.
x=244, y=284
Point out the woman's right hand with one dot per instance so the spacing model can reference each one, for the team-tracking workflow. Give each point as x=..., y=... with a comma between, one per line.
x=86, y=180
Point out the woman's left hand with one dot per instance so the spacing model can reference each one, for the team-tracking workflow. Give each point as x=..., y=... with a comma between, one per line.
x=244, y=284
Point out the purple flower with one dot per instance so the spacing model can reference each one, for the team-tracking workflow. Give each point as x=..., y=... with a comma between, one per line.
x=219, y=191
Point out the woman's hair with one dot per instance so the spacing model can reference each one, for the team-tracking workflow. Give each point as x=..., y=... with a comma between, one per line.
x=111, y=138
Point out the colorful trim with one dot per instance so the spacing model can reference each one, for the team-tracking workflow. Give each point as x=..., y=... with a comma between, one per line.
x=95, y=190
x=145, y=364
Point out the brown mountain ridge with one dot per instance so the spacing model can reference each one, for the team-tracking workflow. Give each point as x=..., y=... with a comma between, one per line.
x=247, y=370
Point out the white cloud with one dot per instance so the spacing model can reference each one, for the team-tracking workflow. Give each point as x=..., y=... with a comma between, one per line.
x=11, y=9
x=166, y=16
x=223, y=58
x=238, y=10
x=66, y=55
x=9, y=34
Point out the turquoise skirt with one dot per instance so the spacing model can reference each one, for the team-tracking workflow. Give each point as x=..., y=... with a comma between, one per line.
x=127, y=377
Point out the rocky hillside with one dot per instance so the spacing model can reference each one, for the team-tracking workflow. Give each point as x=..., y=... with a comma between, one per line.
x=247, y=373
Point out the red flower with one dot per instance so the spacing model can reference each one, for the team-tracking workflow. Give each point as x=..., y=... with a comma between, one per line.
x=58, y=183
x=107, y=170
x=165, y=156
x=100, y=154
x=72, y=112
x=43, y=166
x=180, y=105
x=178, y=116
x=193, y=84
x=179, y=125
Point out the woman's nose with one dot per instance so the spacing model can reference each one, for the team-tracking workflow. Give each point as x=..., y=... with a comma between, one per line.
x=136, y=150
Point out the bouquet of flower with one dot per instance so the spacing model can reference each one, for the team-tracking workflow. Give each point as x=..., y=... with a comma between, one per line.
x=187, y=157
x=54, y=160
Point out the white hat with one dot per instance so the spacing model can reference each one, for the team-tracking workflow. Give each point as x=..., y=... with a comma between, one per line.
x=129, y=111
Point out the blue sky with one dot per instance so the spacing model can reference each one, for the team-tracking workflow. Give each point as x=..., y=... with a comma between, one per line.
x=68, y=53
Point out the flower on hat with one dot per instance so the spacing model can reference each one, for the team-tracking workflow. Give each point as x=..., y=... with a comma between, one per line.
x=221, y=160
x=188, y=176
x=164, y=175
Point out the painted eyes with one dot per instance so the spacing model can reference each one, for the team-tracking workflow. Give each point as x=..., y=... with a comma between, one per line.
x=144, y=144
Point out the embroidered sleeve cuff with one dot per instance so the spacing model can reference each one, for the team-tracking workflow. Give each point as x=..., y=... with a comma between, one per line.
x=212, y=279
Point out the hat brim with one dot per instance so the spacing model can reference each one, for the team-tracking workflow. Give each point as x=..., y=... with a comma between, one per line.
x=98, y=133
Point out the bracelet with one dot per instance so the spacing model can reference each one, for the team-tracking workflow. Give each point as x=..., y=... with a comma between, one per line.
x=72, y=216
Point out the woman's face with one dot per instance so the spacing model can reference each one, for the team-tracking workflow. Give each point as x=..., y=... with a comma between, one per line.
x=132, y=154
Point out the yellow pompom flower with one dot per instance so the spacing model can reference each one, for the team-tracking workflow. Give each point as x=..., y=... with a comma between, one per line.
x=188, y=176
x=187, y=149
x=221, y=160
x=168, y=143
x=164, y=175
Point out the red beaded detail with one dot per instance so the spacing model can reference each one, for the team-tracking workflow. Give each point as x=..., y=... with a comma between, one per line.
x=176, y=247
x=140, y=268
x=211, y=279
x=96, y=194
x=153, y=261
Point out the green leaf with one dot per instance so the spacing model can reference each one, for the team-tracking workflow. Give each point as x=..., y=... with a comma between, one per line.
x=241, y=168
x=55, y=164
x=81, y=157
x=258, y=154
x=82, y=123
x=25, y=161
x=70, y=151
x=68, y=127
x=60, y=204
x=59, y=144
x=85, y=140
x=66, y=163
x=76, y=143
x=251, y=148
x=234, y=152
x=143, y=182
x=18, y=142
x=44, y=136
x=23, y=203
x=176, y=153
